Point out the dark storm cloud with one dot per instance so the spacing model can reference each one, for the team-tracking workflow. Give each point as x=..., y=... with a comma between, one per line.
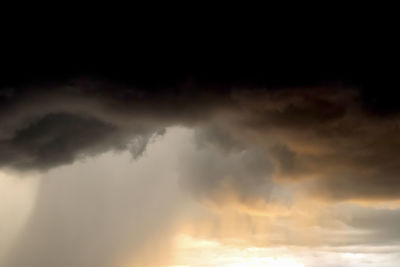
x=45, y=128
x=327, y=135
x=322, y=135
x=55, y=139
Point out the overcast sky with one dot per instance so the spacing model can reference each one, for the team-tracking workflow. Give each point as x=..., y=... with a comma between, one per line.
x=100, y=173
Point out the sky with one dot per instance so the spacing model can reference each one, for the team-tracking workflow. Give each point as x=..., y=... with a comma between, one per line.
x=236, y=165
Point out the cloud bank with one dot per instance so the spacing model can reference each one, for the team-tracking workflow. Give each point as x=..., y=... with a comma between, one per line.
x=259, y=151
x=324, y=135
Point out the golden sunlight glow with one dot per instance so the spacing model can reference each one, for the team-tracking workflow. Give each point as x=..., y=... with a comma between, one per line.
x=198, y=252
x=266, y=261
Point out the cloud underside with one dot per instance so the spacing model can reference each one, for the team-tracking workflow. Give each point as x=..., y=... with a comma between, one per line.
x=323, y=139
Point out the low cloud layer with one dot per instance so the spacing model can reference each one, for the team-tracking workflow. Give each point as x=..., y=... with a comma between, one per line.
x=326, y=137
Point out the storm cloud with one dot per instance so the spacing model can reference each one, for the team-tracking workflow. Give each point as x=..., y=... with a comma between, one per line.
x=102, y=201
x=326, y=136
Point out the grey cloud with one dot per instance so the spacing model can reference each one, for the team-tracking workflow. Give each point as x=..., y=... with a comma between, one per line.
x=354, y=228
x=321, y=134
x=220, y=164
x=61, y=138
x=219, y=137
x=248, y=142
x=380, y=224
x=328, y=138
